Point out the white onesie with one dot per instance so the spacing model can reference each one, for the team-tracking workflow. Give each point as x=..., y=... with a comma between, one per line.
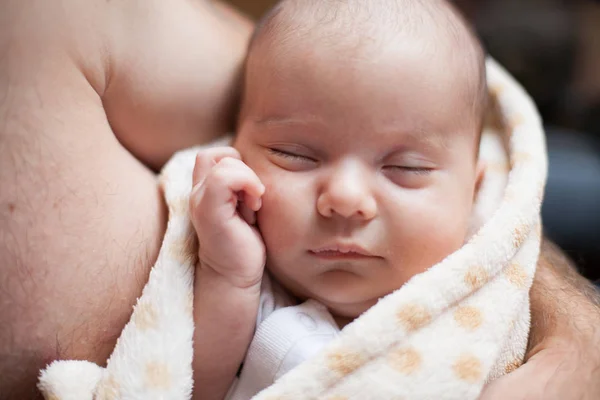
x=285, y=336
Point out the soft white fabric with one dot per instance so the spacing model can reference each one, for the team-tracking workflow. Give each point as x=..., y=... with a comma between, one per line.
x=286, y=335
x=443, y=335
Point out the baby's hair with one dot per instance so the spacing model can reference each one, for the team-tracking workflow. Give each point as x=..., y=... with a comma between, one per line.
x=379, y=21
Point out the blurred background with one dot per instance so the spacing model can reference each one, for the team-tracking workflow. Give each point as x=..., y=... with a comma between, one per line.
x=553, y=48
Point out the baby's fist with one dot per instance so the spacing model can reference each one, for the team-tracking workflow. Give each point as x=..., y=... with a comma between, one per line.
x=225, y=196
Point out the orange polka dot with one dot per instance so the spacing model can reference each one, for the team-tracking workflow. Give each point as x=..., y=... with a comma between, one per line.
x=509, y=195
x=468, y=368
x=345, y=362
x=520, y=235
x=476, y=277
x=413, y=316
x=405, y=360
x=179, y=206
x=189, y=304
x=177, y=251
x=520, y=158
x=145, y=316
x=109, y=389
x=497, y=167
x=516, y=275
x=515, y=121
x=496, y=90
x=158, y=376
x=512, y=366
x=468, y=317
x=185, y=251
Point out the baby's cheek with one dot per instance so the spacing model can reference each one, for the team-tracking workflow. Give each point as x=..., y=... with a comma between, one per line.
x=429, y=232
x=448, y=230
x=279, y=219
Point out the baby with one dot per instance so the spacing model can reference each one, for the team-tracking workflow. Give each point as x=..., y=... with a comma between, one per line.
x=354, y=168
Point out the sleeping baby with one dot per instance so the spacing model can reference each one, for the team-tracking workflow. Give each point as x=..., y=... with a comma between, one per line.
x=354, y=168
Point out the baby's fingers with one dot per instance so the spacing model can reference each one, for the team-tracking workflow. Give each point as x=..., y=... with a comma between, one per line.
x=246, y=212
x=208, y=158
x=228, y=181
x=237, y=177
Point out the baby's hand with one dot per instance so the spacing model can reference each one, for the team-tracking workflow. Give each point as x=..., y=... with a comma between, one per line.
x=225, y=196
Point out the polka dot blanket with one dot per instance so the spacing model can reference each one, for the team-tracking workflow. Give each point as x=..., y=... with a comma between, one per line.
x=443, y=335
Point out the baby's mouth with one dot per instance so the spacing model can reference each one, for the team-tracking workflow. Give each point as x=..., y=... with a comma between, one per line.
x=336, y=255
x=341, y=251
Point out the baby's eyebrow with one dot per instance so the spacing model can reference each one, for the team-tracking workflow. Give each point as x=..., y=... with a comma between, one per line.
x=431, y=139
x=428, y=139
x=275, y=120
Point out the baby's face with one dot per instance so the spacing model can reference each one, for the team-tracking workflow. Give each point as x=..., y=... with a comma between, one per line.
x=369, y=165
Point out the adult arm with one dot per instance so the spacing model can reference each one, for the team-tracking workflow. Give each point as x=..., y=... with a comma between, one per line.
x=81, y=218
x=67, y=277
x=563, y=358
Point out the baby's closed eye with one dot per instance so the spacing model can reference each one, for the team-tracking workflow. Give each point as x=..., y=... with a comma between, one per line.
x=419, y=170
x=409, y=174
x=293, y=159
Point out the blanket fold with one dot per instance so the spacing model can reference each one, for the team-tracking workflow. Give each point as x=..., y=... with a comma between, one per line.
x=443, y=335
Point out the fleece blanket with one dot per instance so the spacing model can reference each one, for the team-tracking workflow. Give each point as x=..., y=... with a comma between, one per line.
x=443, y=335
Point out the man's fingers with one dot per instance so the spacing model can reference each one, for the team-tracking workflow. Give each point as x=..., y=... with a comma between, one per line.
x=507, y=387
x=537, y=379
x=206, y=159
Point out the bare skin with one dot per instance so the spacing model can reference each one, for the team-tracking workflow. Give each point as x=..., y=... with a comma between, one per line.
x=561, y=361
x=87, y=89
x=94, y=97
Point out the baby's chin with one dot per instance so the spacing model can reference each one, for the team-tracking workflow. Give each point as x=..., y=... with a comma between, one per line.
x=348, y=311
x=345, y=295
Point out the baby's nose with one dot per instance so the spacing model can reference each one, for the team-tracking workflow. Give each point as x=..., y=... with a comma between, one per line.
x=349, y=195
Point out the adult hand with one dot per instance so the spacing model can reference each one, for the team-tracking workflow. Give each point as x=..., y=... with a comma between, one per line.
x=559, y=371
x=563, y=361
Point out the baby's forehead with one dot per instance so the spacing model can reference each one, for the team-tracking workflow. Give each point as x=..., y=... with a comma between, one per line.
x=352, y=30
